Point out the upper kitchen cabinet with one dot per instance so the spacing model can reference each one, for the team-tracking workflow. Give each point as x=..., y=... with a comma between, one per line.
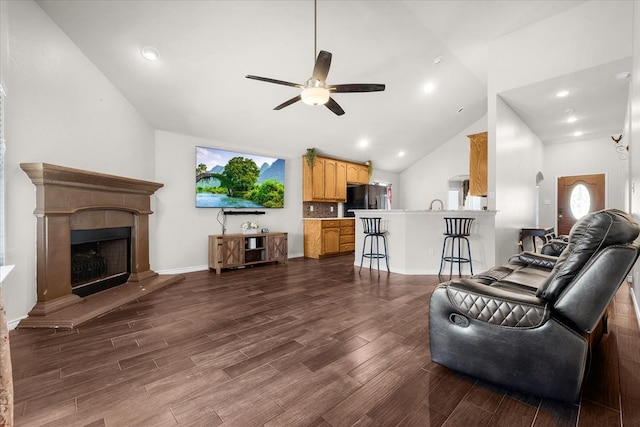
x=325, y=181
x=357, y=173
x=478, y=164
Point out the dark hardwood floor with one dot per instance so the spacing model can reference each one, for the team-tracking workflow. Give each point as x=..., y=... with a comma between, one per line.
x=311, y=343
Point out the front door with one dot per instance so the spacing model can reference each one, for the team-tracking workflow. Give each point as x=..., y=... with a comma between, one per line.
x=577, y=196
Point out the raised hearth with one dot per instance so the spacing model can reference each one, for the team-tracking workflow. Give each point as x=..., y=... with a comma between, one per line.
x=71, y=201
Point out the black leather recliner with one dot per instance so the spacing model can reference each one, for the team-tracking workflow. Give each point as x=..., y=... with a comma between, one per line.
x=529, y=325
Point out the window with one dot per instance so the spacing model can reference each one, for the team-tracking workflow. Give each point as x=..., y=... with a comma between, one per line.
x=579, y=201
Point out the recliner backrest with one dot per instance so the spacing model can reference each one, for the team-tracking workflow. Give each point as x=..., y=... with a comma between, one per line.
x=588, y=236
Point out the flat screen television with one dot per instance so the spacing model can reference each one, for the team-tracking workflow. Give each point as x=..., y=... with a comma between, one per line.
x=229, y=179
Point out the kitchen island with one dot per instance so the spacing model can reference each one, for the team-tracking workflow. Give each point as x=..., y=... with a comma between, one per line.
x=415, y=239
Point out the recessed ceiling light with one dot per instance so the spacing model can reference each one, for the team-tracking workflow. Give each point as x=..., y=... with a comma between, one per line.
x=437, y=61
x=400, y=153
x=150, y=53
x=571, y=119
x=623, y=75
x=562, y=93
x=363, y=143
x=428, y=87
x=460, y=110
x=577, y=133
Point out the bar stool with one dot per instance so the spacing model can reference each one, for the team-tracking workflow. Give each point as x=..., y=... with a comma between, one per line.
x=457, y=230
x=373, y=231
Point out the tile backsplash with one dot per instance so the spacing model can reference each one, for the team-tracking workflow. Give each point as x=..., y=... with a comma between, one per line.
x=320, y=210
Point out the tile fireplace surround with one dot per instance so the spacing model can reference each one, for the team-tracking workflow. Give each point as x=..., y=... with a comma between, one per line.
x=74, y=199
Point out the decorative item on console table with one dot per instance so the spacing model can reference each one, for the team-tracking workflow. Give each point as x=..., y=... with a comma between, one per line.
x=249, y=227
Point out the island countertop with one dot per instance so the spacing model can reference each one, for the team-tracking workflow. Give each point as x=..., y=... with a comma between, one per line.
x=415, y=238
x=424, y=211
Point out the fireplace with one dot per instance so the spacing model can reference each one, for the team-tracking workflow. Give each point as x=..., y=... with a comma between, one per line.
x=100, y=259
x=92, y=234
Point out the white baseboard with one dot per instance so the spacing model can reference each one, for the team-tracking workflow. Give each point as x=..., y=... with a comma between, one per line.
x=194, y=268
x=635, y=305
x=183, y=270
x=12, y=324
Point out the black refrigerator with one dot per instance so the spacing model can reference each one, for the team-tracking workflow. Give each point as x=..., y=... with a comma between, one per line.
x=367, y=196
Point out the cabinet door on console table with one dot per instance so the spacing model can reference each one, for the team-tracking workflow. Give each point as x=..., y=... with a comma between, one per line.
x=278, y=248
x=235, y=250
x=229, y=252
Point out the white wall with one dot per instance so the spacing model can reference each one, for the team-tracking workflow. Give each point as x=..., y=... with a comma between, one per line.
x=59, y=109
x=182, y=229
x=634, y=166
x=428, y=178
x=519, y=157
x=583, y=158
x=593, y=33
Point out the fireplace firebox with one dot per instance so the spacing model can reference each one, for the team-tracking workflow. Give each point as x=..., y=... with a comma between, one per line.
x=100, y=259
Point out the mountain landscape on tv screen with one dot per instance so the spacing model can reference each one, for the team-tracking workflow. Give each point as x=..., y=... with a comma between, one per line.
x=238, y=180
x=275, y=171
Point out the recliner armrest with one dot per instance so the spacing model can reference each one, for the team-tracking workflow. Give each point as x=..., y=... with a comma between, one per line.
x=532, y=259
x=497, y=306
x=555, y=247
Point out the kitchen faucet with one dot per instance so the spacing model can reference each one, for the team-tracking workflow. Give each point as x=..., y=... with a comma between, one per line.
x=436, y=200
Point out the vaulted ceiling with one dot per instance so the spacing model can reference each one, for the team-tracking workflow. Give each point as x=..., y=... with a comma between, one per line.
x=198, y=85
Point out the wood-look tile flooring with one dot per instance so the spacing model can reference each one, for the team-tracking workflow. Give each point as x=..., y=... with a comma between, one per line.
x=311, y=343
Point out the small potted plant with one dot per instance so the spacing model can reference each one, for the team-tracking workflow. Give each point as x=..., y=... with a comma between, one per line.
x=310, y=156
x=249, y=227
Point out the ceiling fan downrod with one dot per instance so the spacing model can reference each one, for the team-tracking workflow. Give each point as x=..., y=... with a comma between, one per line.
x=315, y=30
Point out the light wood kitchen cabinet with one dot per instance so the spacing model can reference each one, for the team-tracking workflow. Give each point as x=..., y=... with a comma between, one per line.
x=235, y=250
x=326, y=237
x=341, y=181
x=330, y=241
x=325, y=181
x=357, y=173
x=317, y=180
x=347, y=235
x=329, y=179
x=478, y=158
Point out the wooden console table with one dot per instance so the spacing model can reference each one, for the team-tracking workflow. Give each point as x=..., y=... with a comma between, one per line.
x=239, y=250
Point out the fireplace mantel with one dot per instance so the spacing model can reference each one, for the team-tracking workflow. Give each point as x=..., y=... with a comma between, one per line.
x=75, y=199
x=106, y=191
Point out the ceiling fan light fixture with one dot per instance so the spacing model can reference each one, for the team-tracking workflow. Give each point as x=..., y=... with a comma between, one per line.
x=315, y=95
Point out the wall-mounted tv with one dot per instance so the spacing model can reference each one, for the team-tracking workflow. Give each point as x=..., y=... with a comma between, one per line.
x=229, y=179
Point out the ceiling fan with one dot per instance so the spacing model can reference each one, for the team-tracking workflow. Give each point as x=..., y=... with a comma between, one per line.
x=315, y=91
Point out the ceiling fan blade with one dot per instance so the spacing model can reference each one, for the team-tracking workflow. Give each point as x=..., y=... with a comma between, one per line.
x=287, y=103
x=333, y=106
x=356, y=87
x=278, y=82
x=321, y=69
